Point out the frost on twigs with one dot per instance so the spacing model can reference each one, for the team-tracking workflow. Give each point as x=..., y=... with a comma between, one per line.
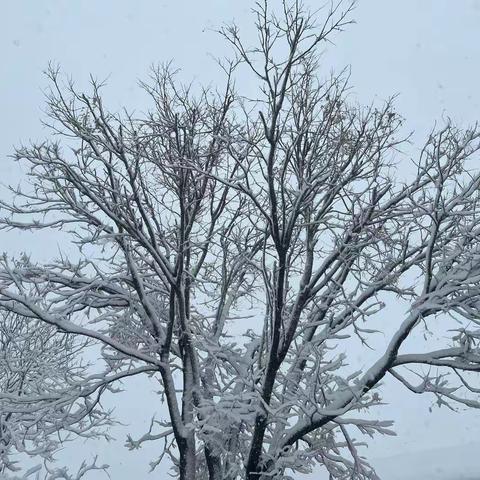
x=235, y=251
x=46, y=395
x=47, y=473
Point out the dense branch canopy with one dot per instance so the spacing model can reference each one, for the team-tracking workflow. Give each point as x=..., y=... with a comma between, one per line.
x=227, y=247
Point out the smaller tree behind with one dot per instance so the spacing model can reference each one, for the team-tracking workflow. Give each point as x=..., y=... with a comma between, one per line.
x=47, y=396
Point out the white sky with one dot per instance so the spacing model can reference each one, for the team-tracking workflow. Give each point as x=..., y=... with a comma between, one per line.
x=426, y=51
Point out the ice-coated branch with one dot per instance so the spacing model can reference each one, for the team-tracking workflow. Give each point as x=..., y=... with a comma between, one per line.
x=227, y=248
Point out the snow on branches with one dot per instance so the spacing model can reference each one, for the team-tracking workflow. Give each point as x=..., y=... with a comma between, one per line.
x=228, y=247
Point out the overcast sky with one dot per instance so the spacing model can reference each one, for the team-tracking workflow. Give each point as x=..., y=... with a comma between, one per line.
x=426, y=51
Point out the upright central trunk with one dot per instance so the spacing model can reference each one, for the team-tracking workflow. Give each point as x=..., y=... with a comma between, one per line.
x=187, y=447
x=188, y=458
x=254, y=463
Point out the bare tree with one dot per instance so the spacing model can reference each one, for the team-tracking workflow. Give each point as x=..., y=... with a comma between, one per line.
x=46, y=396
x=229, y=246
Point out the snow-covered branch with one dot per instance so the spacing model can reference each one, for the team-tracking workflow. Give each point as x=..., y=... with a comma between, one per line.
x=229, y=248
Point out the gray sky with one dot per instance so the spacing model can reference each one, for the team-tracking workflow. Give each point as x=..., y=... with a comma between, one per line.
x=426, y=51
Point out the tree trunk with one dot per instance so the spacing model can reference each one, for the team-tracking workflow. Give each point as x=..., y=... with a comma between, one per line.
x=187, y=459
x=188, y=446
x=214, y=465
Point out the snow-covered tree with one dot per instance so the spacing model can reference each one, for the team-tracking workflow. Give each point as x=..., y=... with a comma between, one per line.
x=46, y=396
x=233, y=248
